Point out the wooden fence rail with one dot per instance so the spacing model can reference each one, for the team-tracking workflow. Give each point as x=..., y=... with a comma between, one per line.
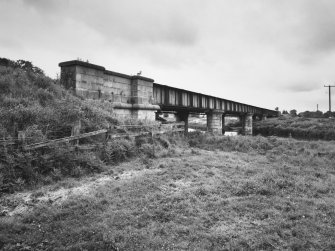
x=63, y=140
x=110, y=133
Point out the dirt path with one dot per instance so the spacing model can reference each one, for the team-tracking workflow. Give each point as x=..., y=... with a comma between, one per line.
x=23, y=202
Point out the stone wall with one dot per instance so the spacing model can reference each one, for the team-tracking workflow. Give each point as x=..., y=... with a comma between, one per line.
x=68, y=77
x=132, y=96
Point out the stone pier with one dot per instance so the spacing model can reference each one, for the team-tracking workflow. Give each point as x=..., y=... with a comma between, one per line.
x=183, y=117
x=246, y=120
x=214, y=122
x=264, y=117
x=223, y=123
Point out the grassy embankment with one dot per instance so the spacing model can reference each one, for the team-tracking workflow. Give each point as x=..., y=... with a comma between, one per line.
x=301, y=128
x=37, y=105
x=206, y=193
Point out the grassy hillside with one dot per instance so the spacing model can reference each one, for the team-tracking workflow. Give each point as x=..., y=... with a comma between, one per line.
x=37, y=105
x=224, y=193
x=297, y=127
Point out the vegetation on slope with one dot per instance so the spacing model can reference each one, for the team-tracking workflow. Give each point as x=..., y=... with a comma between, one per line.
x=37, y=105
x=241, y=193
x=297, y=127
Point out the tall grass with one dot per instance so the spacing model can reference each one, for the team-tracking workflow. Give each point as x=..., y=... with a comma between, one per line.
x=33, y=100
x=302, y=128
x=305, y=151
x=240, y=193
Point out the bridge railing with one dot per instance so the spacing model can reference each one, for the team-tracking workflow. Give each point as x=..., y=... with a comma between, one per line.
x=173, y=97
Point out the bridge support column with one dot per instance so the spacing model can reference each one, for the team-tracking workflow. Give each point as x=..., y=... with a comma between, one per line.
x=214, y=122
x=183, y=117
x=246, y=120
x=223, y=124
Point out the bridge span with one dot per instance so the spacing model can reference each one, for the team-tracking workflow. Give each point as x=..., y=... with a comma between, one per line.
x=139, y=97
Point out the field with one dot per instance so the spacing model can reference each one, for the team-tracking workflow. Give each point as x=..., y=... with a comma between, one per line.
x=297, y=127
x=199, y=193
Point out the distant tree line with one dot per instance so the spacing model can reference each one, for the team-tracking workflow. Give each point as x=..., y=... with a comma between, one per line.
x=309, y=114
x=21, y=64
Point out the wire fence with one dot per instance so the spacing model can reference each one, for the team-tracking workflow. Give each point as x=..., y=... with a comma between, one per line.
x=24, y=142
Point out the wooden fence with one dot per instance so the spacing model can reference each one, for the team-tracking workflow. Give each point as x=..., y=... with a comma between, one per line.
x=111, y=133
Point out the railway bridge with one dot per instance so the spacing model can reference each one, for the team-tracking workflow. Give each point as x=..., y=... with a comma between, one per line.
x=139, y=97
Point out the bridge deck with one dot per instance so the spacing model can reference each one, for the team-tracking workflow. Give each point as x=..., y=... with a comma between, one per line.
x=175, y=99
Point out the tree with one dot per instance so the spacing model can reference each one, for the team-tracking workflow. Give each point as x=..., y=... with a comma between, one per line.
x=22, y=64
x=293, y=113
x=277, y=109
x=309, y=114
x=329, y=114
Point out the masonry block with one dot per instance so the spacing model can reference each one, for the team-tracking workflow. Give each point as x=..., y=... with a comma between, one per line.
x=183, y=117
x=214, y=122
x=246, y=124
x=131, y=96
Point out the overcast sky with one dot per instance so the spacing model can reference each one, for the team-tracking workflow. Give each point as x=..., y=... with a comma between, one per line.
x=266, y=53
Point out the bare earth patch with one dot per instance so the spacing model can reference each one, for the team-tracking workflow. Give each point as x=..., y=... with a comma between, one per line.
x=24, y=202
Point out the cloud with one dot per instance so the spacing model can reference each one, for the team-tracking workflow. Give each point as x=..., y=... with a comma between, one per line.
x=216, y=47
x=136, y=23
x=299, y=30
x=305, y=32
x=145, y=21
x=9, y=43
x=303, y=87
x=317, y=26
x=46, y=5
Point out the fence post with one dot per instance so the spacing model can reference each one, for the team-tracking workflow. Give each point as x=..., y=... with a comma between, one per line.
x=153, y=143
x=21, y=137
x=76, y=130
x=109, y=133
x=4, y=146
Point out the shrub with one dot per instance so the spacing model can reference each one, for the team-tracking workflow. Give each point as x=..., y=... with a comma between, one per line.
x=117, y=151
x=302, y=128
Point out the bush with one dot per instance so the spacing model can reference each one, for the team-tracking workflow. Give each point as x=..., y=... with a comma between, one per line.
x=20, y=169
x=302, y=128
x=117, y=151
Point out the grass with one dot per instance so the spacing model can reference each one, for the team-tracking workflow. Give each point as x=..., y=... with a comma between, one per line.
x=237, y=193
x=40, y=107
x=297, y=127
